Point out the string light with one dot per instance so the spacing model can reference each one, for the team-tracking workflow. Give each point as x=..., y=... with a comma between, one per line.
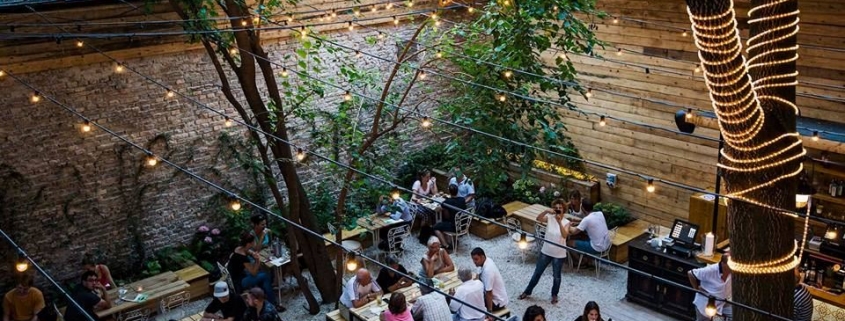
x=86, y=127
x=650, y=186
x=815, y=135
x=589, y=93
x=374, y=9
x=79, y=44
x=284, y=72
x=356, y=12
x=602, y=122
x=233, y=51
x=235, y=205
x=395, y=193
x=170, y=94
x=710, y=309
x=523, y=241
x=425, y=122
x=351, y=262
x=300, y=155
x=152, y=160
x=334, y=13
x=35, y=97
x=697, y=69
x=351, y=27
x=506, y=2
x=470, y=9
x=615, y=20
x=243, y=23
x=290, y=19
x=22, y=265
x=508, y=73
x=689, y=114
x=410, y=4
x=502, y=97
x=439, y=54
x=2, y=73
x=118, y=68
x=395, y=21
x=228, y=122
x=347, y=96
x=619, y=52
x=684, y=34
x=389, y=5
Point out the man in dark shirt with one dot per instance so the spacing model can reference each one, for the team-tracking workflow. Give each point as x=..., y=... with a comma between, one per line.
x=88, y=298
x=390, y=281
x=450, y=207
x=230, y=308
x=259, y=309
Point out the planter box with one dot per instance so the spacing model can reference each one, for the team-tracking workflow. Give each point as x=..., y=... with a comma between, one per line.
x=487, y=230
x=589, y=189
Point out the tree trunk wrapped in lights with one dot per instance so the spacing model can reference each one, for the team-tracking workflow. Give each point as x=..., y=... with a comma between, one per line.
x=754, y=104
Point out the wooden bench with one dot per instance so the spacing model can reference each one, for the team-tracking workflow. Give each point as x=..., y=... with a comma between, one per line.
x=619, y=247
x=197, y=279
x=487, y=230
x=335, y=316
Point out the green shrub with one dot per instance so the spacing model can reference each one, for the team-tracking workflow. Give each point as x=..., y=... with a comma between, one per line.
x=614, y=214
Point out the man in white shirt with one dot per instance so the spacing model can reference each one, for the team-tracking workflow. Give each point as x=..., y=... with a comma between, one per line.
x=472, y=293
x=359, y=291
x=495, y=295
x=551, y=252
x=596, y=228
x=712, y=280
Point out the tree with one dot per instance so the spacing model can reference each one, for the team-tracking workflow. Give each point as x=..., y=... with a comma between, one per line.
x=242, y=52
x=754, y=102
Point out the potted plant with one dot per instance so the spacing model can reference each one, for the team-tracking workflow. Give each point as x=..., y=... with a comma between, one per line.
x=614, y=214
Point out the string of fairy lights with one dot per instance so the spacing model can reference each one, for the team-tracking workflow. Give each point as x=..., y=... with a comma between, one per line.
x=737, y=104
x=237, y=205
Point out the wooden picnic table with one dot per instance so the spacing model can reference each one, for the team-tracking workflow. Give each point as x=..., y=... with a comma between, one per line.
x=155, y=287
x=371, y=311
x=193, y=317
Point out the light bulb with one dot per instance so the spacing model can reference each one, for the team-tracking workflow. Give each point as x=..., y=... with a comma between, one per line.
x=426, y=122
x=243, y=23
x=506, y=2
x=815, y=135
x=619, y=52
x=233, y=51
x=502, y=97
x=697, y=68
x=235, y=205
x=439, y=54
x=554, y=8
x=356, y=11
x=300, y=154
x=589, y=93
x=303, y=33
x=470, y=9
x=650, y=186
x=710, y=309
x=334, y=14
x=227, y=122
x=395, y=21
x=395, y=194
x=508, y=74
x=290, y=19
x=170, y=94
x=523, y=242
x=422, y=75
x=347, y=96
x=410, y=4
x=86, y=127
x=389, y=5
x=689, y=113
x=437, y=23
x=374, y=9
x=351, y=27
x=380, y=35
x=35, y=98
x=684, y=34
x=79, y=43
x=118, y=68
x=152, y=160
x=2, y=73
x=351, y=265
x=358, y=54
x=602, y=122
x=615, y=20
x=434, y=16
x=22, y=265
x=284, y=72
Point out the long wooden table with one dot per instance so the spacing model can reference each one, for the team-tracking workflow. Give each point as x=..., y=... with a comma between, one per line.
x=371, y=311
x=155, y=287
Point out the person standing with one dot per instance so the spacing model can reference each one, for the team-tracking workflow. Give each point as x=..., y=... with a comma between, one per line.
x=803, y=306
x=259, y=309
x=88, y=298
x=551, y=252
x=224, y=307
x=495, y=295
x=430, y=306
x=24, y=301
x=595, y=226
x=712, y=281
x=471, y=292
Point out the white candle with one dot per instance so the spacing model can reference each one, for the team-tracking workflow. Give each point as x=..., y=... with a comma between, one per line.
x=709, y=241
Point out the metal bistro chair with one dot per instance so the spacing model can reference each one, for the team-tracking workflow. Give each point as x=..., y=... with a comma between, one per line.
x=134, y=315
x=175, y=301
x=540, y=233
x=462, y=222
x=395, y=239
x=225, y=276
x=604, y=254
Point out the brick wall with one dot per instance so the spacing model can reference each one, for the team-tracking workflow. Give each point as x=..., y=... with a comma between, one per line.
x=63, y=193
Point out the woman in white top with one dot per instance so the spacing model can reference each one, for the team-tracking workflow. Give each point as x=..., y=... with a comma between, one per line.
x=425, y=186
x=551, y=253
x=436, y=259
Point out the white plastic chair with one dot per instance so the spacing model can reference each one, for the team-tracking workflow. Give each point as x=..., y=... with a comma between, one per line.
x=462, y=222
x=134, y=315
x=604, y=254
x=395, y=239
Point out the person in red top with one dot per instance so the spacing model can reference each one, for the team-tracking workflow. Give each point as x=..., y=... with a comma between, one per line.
x=101, y=270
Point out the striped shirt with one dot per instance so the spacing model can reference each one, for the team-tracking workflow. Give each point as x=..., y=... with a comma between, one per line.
x=803, y=304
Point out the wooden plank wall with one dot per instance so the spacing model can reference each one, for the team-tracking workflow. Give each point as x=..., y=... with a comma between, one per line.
x=651, y=36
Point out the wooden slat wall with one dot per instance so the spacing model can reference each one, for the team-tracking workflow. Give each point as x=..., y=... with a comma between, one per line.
x=671, y=59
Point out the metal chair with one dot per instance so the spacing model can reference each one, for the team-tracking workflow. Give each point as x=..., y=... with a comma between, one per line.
x=540, y=234
x=395, y=239
x=515, y=232
x=175, y=301
x=348, y=245
x=604, y=254
x=134, y=315
x=462, y=222
x=224, y=275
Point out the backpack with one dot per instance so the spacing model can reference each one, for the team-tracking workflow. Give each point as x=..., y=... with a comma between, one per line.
x=484, y=206
x=497, y=212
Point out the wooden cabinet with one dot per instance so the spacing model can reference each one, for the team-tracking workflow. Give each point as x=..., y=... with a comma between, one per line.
x=655, y=294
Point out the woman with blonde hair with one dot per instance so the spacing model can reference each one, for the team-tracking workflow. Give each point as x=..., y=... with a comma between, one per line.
x=436, y=259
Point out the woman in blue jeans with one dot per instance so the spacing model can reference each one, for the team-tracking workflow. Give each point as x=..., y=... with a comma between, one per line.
x=244, y=267
x=556, y=232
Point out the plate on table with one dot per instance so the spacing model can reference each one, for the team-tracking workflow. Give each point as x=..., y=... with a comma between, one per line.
x=376, y=310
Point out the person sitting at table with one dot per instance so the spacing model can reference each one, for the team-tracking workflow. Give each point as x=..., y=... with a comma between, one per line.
x=430, y=305
x=466, y=188
x=425, y=186
x=359, y=291
x=398, y=210
x=397, y=309
x=495, y=294
x=436, y=260
x=596, y=228
x=101, y=270
x=551, y=252
x=260, y=231
x=471, y=292
x=246, y=272
x=451, y=207
x=534, y=313
x=390, y=281
x=259, y=309
x=88, y=298
x=224, y=307
x=574, y=208
x=24, y=302
x=591, y=312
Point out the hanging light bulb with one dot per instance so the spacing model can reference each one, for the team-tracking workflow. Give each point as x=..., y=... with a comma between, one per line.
x=351, y=262
x=710, y=309
x=589, y=93
x=602, y=122
x=79, y=44
x=300, y=155
x=422, y=75
x=243, y=23
x=395, y=21
x=410, y=3
x=2, y=73
x=356, y=11
x=303, y=33
x=697, y=68
x=334, y=13
x=650, y=186
x=434, y=16
x=358, y=54
x=470, y=9
x=374, y=9
x=554, y=8
x=235, y=205
x=170, y=94
x=389, y=5
x=684, y=34
x=395, y=194
x=227, y=122
x=815, y=135
x=233, y=51
x=118, y=68
x=619, y=52
x=502, y=97
x=523, y=241
x=22, y=264
x=425, y=122
x=439, y=54
x=380, y=35
x=347, y=96
x=351, y=27
x=290, y=19
x=689, y=113
x=508, y=73
x=86, y=127
x=437, y=23
x=35, y=97
x=284, y=72
x=152, y=160
x=615, y=20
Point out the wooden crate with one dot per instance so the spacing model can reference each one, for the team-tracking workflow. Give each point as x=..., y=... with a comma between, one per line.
x=197, y=278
